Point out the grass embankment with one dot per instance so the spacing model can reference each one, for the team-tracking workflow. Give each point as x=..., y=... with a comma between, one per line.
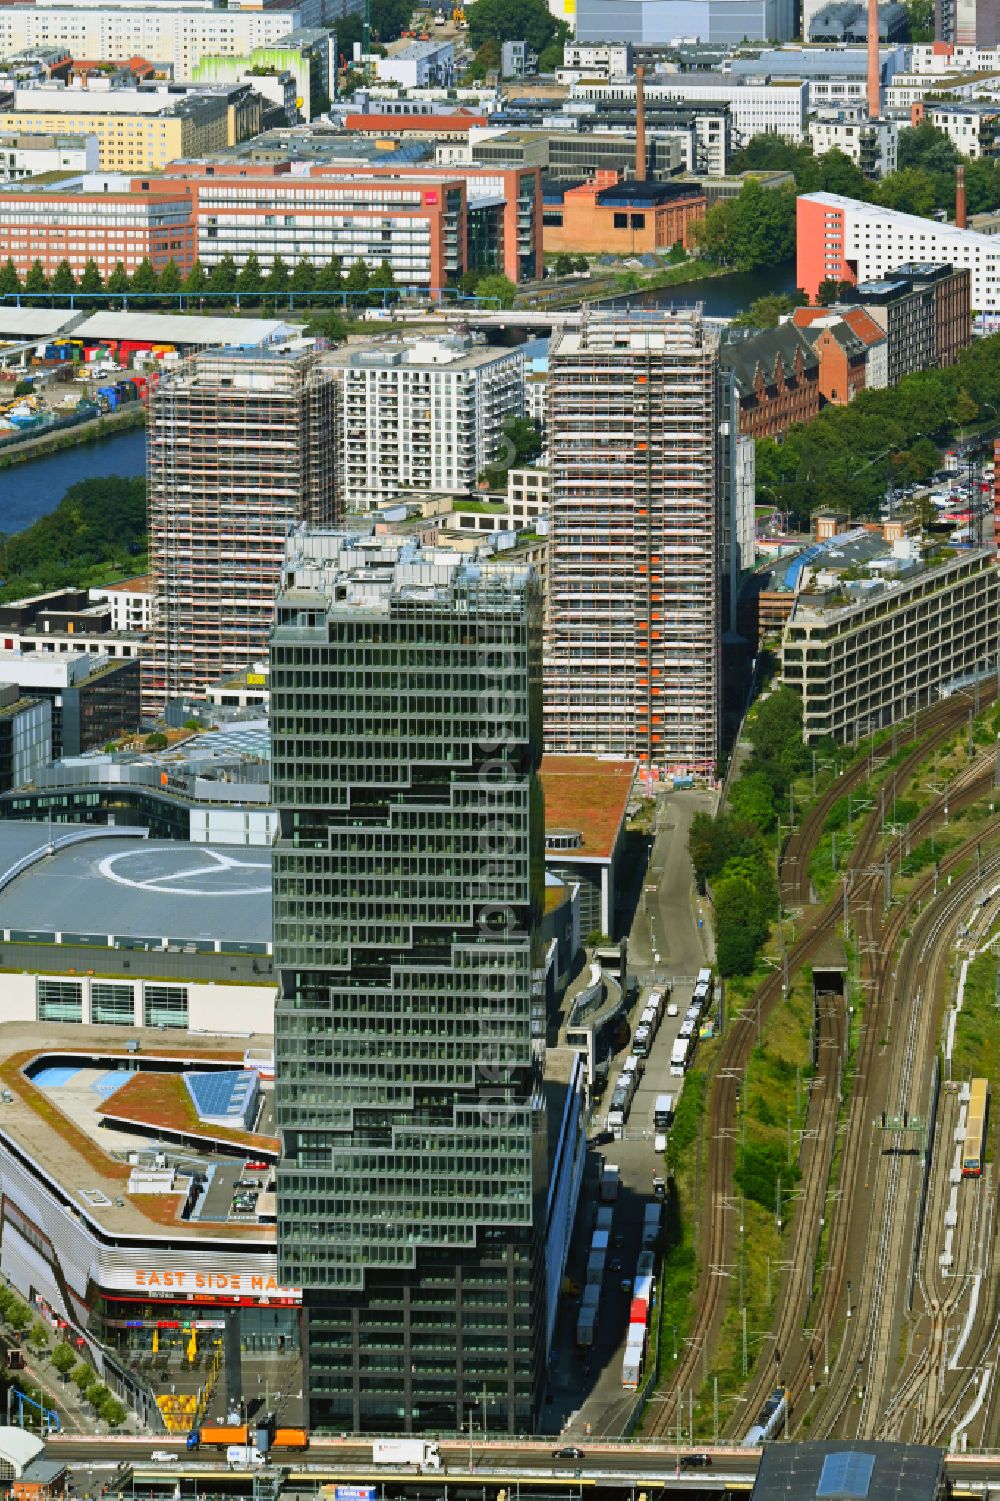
x=686, y=1166
x=773, y=1107
x=977, y=1036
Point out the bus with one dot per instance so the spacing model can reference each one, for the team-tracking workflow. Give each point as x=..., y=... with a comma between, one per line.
x=974, y=1146
x=663, y=1111
x=680, y=1057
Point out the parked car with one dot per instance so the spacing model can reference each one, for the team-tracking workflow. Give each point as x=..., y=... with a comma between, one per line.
x=695, y=1461
x=568, y=1453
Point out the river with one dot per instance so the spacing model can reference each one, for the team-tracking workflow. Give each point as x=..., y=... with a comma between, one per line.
x=720, y=296
x=34, y=488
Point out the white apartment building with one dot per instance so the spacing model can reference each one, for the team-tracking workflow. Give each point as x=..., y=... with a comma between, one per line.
x=599, y=59
x=972, y=128
x=907, y=89
x=426, y=415
x=872, y=145
x=844, y=239
x=754, y=109
x=418, y=65
x=132, y=604
x=929, y=57
x=30, y=155
x=633, y=637
x=161, y=32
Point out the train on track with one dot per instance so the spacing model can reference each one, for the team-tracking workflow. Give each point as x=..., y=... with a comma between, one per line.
x=974, y=1146
x=769, y=1419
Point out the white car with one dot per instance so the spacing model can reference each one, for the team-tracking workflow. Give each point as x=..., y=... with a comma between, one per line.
x=164, y=1457
x=659, y=1142
x=672, y=1009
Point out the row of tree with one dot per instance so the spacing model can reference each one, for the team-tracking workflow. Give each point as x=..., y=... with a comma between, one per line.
x=249, y=280
x=732, y=852
x=923, y=182
x=847, y=455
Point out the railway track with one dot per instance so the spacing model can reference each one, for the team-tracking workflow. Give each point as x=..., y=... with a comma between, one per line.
x=865, y=1351
x=935, y=724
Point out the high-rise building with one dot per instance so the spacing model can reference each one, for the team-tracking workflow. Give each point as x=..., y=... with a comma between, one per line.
x=242, y=444
x=427, y=414
x=632, y=659
x=408, y=881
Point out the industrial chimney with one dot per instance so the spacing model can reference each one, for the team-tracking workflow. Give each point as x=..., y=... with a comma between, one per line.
x=960, y=221
x=874, y=92
x=640, y=124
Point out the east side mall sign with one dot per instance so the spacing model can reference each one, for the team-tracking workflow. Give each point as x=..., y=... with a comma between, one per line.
x=260, y=1286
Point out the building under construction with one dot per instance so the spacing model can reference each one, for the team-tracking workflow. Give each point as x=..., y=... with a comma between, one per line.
x=632, y=664
x=241, y=443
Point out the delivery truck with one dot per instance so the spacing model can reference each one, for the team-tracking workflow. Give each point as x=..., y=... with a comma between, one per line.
x=406, y=1451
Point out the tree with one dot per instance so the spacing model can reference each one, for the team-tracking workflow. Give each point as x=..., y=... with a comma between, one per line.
x=170, y=278
x=921, y=16
x=966, y=410
x=222, y=277
x=582, y=264
x=91, y=280
x=63, y=279
x=97, y=1395
x=752, y=798
x=303, y=278
x=196, y=280
x=331, y=327
x=768, y=311
x=911, y=190
x=330, y=278
x=383, y=278
x=39, y=1336
x=838, y=174
x=18, y=1315
x=495, y=286
x=250, y=278
x=525, y=437
x=485, y=62
x=64, y=1359
x=752, y=230
x=277, y=278
x=156, y=741
x=144, y=278
x=512, y=20
x=10, y=282
x=36, y=280
x=927, y=147
x=118, y=280
x=84, y=1377
x=564, y=265
x=112, y=1411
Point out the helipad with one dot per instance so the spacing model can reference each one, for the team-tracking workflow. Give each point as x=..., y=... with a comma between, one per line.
x=151, y=891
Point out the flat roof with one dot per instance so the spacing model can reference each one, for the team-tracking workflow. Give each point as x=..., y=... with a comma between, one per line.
x=131, y=887
x=177, y=328
x=59, y=1128
x=586, y=795
x=850, y=1470
x=35, y=322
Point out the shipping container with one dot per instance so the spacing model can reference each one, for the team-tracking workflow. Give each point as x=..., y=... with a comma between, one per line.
x=638, y=1312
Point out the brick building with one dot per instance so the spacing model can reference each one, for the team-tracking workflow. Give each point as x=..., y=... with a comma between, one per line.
x=776, y=374
x=113, y=220
x=609, y=216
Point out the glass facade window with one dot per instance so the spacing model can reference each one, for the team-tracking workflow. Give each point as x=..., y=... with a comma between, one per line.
x=164, y=1005
x=60, y=1000
x=409, y=871
x=111, y=1004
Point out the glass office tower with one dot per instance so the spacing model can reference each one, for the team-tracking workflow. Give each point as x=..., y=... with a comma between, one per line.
x=408, y=884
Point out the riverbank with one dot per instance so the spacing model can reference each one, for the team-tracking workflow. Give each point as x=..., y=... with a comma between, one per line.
x=93, y=431
x=618, y=282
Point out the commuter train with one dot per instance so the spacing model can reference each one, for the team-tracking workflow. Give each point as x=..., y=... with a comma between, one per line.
x=974, y=1146
x=769, y=1419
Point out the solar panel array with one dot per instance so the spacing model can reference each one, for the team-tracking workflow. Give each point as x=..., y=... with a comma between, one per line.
x=226, y=1096
x=846, y=1475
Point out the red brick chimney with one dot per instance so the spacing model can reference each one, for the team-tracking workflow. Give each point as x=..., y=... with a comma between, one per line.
x=960, y=219
x=874, y=92
x=640, y=124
